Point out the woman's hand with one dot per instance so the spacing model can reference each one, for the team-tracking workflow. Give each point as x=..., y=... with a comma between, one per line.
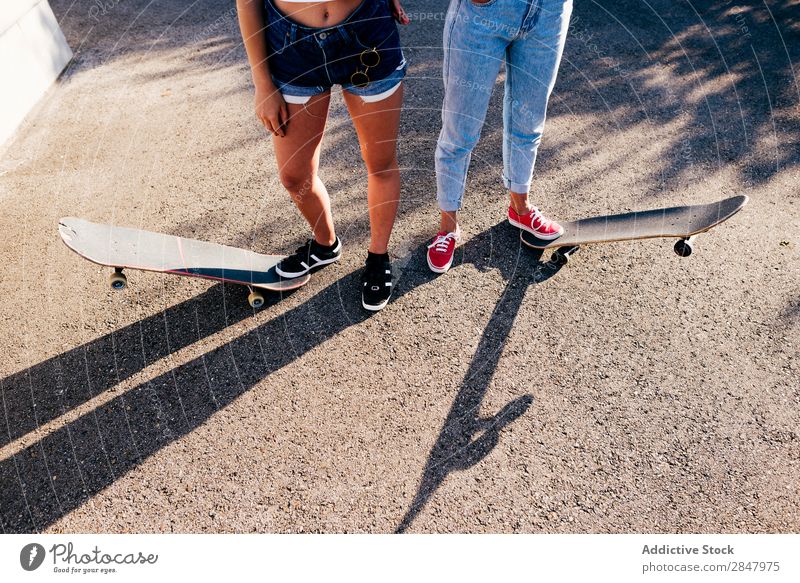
x=398, y=12
x=271, y=109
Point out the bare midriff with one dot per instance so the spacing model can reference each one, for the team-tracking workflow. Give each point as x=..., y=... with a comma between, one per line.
x=318, y=14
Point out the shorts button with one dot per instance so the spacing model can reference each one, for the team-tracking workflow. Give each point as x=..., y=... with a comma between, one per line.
x=323, y=35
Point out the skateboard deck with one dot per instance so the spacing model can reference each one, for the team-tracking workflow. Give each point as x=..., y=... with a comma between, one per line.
x=682, y=222
x=122, y=247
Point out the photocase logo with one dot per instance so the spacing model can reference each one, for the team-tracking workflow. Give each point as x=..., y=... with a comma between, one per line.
x=31, y=556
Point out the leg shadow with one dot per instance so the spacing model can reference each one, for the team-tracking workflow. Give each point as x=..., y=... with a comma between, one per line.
x=67, y=467
x=466, y=438
x=64, y=469
x=43, y=392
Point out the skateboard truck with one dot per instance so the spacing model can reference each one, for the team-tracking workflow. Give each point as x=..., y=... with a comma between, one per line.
x=680, y=223
x=123, y=248
x=561, y=256
x=119, y=281
x=683, y=247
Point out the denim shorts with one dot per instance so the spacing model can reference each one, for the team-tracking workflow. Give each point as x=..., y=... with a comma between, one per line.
x=306, y=61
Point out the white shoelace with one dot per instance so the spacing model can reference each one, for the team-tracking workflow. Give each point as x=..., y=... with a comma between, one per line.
x=536, y=215
x=442, y=242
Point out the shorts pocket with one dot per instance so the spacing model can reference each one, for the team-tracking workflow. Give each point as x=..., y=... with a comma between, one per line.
x=278, y=43
x=379, y=31
x=370, y=40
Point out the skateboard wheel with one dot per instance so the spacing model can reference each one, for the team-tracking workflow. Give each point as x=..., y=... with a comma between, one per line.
x=559, y=258
x=118, y=280
x=684, y=247
x=256, y=299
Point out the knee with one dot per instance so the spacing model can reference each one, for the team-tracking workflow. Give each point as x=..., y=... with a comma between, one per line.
x=380, y=165
x=458, y=148
x=296, y=181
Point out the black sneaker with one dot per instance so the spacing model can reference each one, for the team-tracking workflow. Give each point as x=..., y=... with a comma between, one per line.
x=376, y=282
x=307, y=257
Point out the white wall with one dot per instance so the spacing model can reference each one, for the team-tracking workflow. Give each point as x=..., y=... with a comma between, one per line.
x=33, y=52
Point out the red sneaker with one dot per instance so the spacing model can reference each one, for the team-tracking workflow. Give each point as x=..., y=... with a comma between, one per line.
x=536, y=223
x=440, y=252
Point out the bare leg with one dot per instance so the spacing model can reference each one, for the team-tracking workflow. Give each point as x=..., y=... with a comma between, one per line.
x=297, y=154
x=520, y=202
x=449, y=222
x=376, y=124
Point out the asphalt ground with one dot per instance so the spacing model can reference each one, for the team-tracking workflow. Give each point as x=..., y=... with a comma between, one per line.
x=631, y=391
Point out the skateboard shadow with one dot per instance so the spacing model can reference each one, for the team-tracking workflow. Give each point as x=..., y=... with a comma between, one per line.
x=54, y=474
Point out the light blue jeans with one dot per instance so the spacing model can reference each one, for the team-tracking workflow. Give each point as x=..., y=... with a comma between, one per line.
x=528, y=36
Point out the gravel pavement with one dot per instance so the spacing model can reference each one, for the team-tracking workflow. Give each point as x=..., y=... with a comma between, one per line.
x=631, y=391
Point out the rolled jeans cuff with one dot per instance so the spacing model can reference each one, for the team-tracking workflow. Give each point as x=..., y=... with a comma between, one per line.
x=449, y=206
x=517, y=187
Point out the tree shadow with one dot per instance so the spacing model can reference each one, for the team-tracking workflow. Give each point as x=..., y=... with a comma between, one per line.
x=790, y=315
x=735, y=107
x=735, y=104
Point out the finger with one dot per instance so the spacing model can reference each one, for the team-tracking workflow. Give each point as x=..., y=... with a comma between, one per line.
x=275, y=126
x=265, y=123
x=400, y=14
x=284, y=115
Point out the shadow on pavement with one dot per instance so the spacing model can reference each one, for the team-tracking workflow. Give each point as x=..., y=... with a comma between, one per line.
x=736, y=105
x=64, y=469
x=740, y=93
x=466, y=438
